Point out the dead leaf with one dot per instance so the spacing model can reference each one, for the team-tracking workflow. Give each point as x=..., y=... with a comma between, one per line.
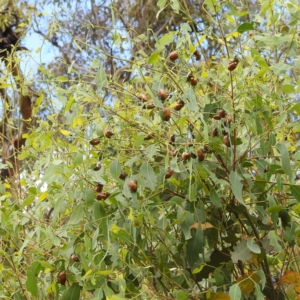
x=220, y=296
x=247, y=282
x=204, y=226
x=291, y=277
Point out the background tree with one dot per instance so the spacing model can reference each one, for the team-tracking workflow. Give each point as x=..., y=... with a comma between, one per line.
x=167, y=170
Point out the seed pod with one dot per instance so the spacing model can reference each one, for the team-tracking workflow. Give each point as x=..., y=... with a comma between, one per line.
x=179, y=105
x=95, y=142
x=148, y=106
x=98, y=188
x=62, y=278
x=74, y=257
x=232, y=67
x=206, y=149
x=102, y=196
x=194, y=81
x=222, y=113
x=228, y=119
x=108, y=133
x=123, y=175
x=149, y=136
x=226, y=141
x=185, y=156
x=214, y=132
x=166, y=114
x=132, y=185
x=224, y=132
x=217, y=117
x=97, y=168
x=197, y=55
x=169, y=173
x=142, y=97
x=173, y=152
x=200, y=155
x=172, y=139
x=173, y=55
x=162, y=94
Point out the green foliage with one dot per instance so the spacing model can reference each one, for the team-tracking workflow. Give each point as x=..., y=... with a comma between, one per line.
x=225, y=226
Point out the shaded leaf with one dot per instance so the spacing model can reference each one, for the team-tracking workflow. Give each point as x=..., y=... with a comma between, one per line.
x=194, y=246
x=295, y=189
x=72, y=293
x=216, y=259
x=247, y=282
x=245, y=27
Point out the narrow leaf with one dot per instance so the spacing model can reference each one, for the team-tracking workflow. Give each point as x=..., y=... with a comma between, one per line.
x=76, y=216
x=295, y=189
x=31, y=283
x=194, y=246
x=115, y=169
x=285, y=161
x=236, y=186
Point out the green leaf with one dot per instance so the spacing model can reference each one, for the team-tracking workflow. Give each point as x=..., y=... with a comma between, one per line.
x=194, y=246
x=31, y=283
x=115, y=170
x=89, y=196
x=288, y=88
x=295, y=189
x=253, y=246
x=78, y=159
x=101, y=78
x=241, y=252
x=95, y=63
x=236, y=186
x=19, y=296
x=62, y=79
x=275, y=209
x=215, y=199
x=161, y=3
x=280, y=68
x=72, y=293
x=154, y=57
x=147, y=172
x=176, y=200
x=245, y=27
x=285, y=160
x=77, y=214
x=295, y=109
x=190, y=98
x=167, y=39
x=175, y=5
x=235, y=292
x=181, y=295
x=187, y=222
